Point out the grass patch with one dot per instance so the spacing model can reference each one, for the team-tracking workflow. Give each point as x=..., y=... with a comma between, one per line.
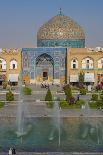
x=65, y=105
x=96, y=104
x=2, y=104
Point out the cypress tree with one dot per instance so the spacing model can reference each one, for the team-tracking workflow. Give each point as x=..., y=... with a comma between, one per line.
x=48, y=96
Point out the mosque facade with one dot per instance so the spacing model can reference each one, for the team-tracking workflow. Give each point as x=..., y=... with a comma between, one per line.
x=59, y=57
x=48, y=61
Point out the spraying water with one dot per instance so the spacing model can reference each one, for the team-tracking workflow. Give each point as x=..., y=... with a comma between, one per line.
x=56, y=121
x=20, y=111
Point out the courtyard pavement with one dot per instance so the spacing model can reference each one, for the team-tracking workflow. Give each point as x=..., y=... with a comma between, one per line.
x=55, y=153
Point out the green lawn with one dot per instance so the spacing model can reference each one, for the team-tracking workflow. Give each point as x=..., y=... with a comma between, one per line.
x=2, y=104
x=96, y=104
x=65, y=105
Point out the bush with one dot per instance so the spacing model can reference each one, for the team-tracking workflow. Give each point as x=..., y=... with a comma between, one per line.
x=101, y=97
x=9, y=96
x=93, y=104
x=4, y=84
x=102, y=92
x=83, y=91
x=99, y=103
x=27, y=91
x=96, y=104
x=2, y=104
x=94, y=97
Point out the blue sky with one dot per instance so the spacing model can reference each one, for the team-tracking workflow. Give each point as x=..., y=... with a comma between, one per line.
x=21, y=19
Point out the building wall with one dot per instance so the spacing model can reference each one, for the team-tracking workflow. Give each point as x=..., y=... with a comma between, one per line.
x=80, y=54
x=8, y=55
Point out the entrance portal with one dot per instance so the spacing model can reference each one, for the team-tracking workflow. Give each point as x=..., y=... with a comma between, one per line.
x=45, y=76
x=44, y=67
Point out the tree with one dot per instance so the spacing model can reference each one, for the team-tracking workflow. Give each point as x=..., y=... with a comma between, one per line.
x=68, y=92
x=81, y=79
x=48, y=96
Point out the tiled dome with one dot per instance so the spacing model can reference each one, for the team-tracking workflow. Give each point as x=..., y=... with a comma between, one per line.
x=60, y=27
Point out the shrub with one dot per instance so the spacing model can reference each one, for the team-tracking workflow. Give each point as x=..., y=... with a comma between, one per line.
x=9, y=96
x=99, y=103
x=4, y=84
x=94, y=97
x=93, y=104
x=83, y=91
x=101, y=97
x=2, y=104
x=102, y=92
x=27, y=91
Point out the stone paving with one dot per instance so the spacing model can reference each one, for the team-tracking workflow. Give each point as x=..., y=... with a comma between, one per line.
x=40, y=110
x=54, y=153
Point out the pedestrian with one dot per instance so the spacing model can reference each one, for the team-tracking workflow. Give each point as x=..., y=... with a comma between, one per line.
x=13, y=151
x=10, y=151
x=78, y=97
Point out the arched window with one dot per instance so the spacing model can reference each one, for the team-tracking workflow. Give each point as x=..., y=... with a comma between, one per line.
x=2, y=64
x=87, y=63
x=74, y=63
x=100, y=63
x=13, y=64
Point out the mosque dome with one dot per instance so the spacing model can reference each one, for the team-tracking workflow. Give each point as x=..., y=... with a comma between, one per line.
x=61, y=31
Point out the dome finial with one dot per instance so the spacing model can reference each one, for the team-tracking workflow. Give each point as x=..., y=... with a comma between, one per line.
x=60, y=12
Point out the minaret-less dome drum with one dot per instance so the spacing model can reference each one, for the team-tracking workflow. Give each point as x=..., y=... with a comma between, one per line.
x=61, y=31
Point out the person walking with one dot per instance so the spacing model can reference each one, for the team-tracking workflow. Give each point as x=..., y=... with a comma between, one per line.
x=10, y=151
x=78, y=97
x=13, y=151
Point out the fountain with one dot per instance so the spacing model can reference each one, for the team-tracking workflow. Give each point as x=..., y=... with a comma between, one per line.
x=48, y=133
x=90, y=128
x=20, y=111
x=56, y=121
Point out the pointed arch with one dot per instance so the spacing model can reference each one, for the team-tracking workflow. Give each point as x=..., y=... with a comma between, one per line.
x=2, y=64
x=45, y=66
x=87, y=63
x=100, y=63
x=74, y=63
x=43, y=57
x=13, y=64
